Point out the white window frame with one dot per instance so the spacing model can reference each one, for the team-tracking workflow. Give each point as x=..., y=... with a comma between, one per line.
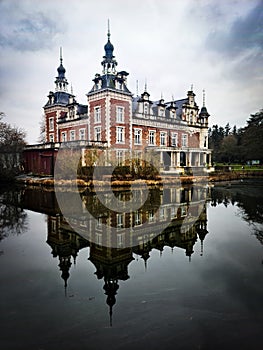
x=120, y=157
x=145, y=108
x=184, y=140
x=97, y=114
x=82, y=134
x=120, y=221
x=51, y=137
x=137, y=218
x=161, y=112
x=120, y=134
x=137, y=136
x=97, y=133
x=64, y=136
x=174, y=139
x=120, y=114
x=120, y=240
x=51, y=124
x=72, y=135
x=163, y=138
x=152, y=138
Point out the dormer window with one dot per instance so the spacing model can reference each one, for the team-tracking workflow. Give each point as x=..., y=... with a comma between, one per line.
x=161, y=112
x=173, y=114
x=145, y=108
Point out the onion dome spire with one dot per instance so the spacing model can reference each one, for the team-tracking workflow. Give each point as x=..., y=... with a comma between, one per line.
x=61, y=81
x=109, y=62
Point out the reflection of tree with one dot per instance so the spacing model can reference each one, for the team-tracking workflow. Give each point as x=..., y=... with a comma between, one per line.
x=248, y=197
x=12, y=217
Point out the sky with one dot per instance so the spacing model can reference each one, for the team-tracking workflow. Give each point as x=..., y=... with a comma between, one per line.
x=170, y=44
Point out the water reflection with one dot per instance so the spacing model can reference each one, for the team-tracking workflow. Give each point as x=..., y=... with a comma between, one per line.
x=221, y=289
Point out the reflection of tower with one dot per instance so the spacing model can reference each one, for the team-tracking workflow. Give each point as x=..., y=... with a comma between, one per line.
x=112, y=265
x=201, y=229
x=111, y=286
x=64, y=265
x=65, y=244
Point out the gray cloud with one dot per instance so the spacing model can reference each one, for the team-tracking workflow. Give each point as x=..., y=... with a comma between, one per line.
x=244, y=34
x=26, y=31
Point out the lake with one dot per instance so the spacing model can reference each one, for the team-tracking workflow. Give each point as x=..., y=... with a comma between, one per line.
x=171, y=268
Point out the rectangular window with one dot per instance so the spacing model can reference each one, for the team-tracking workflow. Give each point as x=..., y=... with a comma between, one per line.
x=97, y=133
x=120, y=134
x=72, y=135
x=152, y=137
x=137, y=218
x=82, y=134
x=120, y=115
x=120, y=220
x=64, y=136
x=51, y=137
x=120, y=157
x=51, y=124
x=97, y=112
x=174, y=139
x=137, y=136
x=161, y=112
x=184, y=140
x=120, y=240
x=163, y=138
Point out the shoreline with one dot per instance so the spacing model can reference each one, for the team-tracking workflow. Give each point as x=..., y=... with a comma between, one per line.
x=182, y=179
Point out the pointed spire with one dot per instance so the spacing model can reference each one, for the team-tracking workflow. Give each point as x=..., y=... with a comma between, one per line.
x=61, y=81
x=145, y=86
x=108, y=29
x=61, y=59
x=192, y=87
x=203, y=97
x=137, y=87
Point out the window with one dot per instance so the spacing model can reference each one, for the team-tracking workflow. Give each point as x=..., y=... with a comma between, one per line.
x=161, y=113
x=120, y=157
x=184, y=140
x=120, y=115
x=174, y=139
x=99, y=223
x=137, y=136
x=120, y=240
x=163, y=138
x=72, y=135
x=120, y=134
x=145, y=108
x=151, y=137
x=51, y=124
x=120, y=220
x=137, y=218
x=97, y=112
x=151, y=216
x=172, y=114
x=51, y=137
x=97, y=133
x=82, y=134
x=64, y=136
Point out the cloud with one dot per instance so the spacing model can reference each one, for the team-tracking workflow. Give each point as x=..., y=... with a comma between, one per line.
x=244, y=34
x=26, y=30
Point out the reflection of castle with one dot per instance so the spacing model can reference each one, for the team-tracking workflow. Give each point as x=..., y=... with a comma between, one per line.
x=111, y=263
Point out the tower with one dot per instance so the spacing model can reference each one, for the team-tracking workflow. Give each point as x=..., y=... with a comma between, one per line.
x=56, y=107
x=110, y=105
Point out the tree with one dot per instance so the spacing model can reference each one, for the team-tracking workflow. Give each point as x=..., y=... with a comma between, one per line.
x=12, y=142
x=252, y=137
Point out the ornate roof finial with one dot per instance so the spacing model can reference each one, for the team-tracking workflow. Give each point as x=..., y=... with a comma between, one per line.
x=145, y=87
x=60, y=54
x=108, y=30
x=203, y=97
x=192, y=87
x=137, y=87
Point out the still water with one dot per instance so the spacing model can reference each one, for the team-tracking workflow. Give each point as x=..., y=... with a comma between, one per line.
x=182, y=271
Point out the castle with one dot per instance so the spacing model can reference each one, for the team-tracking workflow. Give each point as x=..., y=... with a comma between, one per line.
x=114, y=119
